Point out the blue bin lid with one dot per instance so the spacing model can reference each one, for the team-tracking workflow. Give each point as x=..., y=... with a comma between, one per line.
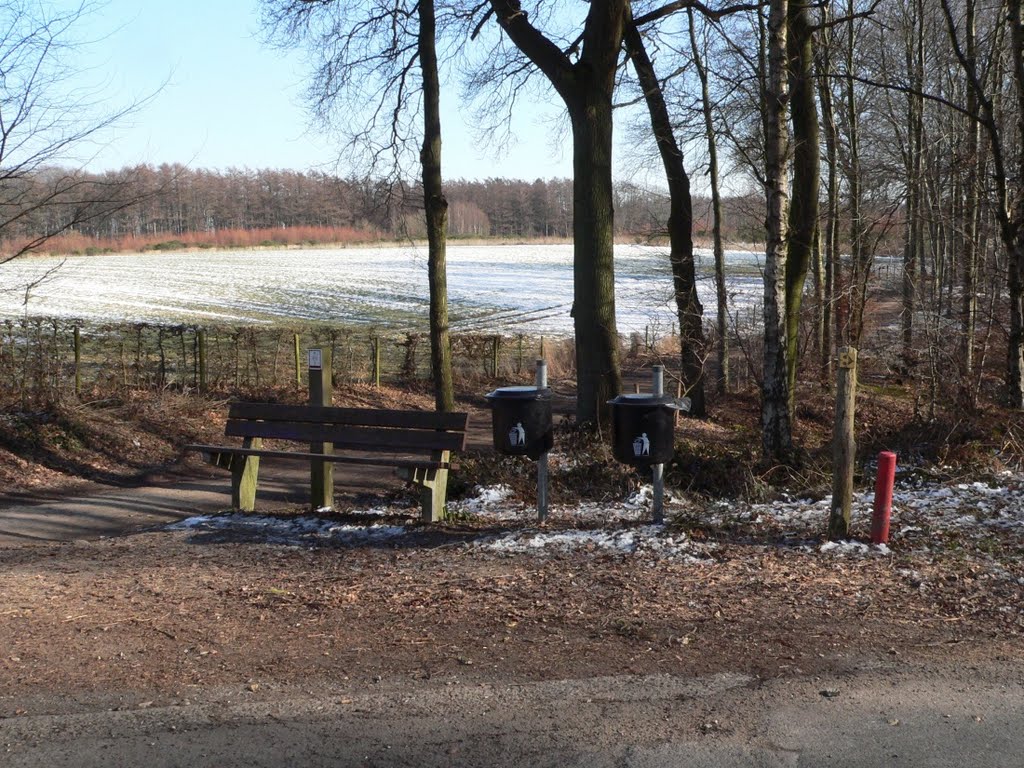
x=646, y=401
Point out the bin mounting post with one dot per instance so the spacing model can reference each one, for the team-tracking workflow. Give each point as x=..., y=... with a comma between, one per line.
x=321, y=393
x=542, y=461
x=658, y=470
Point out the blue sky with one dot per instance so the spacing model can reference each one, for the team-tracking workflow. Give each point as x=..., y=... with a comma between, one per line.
x=223, y=99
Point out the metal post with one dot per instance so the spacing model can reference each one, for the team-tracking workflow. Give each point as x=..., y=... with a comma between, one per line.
x=321, y=473
x=658, y=504
x=542, y=462
x=883, y=497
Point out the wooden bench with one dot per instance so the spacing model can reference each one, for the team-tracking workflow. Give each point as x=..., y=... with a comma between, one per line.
x=417, y=443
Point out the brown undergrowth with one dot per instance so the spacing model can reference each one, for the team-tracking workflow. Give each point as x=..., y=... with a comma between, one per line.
x=121, y=440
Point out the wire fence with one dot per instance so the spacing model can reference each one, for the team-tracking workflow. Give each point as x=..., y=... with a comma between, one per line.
x=44, y=360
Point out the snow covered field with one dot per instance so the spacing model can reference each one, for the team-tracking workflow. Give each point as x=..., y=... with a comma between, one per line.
x=925, y=517
x=492, y=288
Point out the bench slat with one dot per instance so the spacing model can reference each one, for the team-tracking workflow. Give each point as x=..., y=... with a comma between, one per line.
x=356, y=417
x=367, y=461
x=348, y=437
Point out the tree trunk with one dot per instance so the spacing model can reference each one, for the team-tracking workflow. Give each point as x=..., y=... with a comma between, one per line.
x=722, y=315
x=858, y=287
x=585, y=83
x=803, y=212
x=776, y=434
x=597, y=341
x=1013, y=227
x=914, y=246
x=436, y=208
x=1008, y=209
x=831, y=322
x=969, y=265
x=680, y=225
x=1015, y=342
x=818, y=267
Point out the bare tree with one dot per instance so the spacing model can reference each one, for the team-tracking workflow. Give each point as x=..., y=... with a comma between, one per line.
x=1006, y=146
x=680, y=222
x=718, y=248
x=583, y=74
x=436, y=209
x=776, y=429
x=367, y=54
x=46, y=123
x=803, y=212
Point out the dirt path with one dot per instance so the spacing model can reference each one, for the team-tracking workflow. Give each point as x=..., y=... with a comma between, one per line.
x=95, y=511
x=873, y=715
x=91, y=510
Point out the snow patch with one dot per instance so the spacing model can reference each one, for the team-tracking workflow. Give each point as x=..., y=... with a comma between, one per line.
x=649, y=539
x=853, y=548
x=295, y=531
x=924, y=515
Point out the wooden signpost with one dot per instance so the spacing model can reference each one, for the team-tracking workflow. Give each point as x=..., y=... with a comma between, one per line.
x=321, y=393
x=844, y=446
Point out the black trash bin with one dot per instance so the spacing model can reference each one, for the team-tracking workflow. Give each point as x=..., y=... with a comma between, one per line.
x=643, y=428
x=521, y=421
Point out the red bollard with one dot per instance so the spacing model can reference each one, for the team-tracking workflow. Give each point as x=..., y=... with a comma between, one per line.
x=883, y=497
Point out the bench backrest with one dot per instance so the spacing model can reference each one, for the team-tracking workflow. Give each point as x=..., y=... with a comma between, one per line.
x=360, y=429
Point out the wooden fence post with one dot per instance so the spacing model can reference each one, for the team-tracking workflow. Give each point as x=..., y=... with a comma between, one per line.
x=78, y=362
x=844, y=447
x=298, y=361
x=201, y=354
x=495, y=343
x=376, y=361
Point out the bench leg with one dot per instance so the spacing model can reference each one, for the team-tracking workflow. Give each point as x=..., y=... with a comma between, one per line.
x=245, y=472
x=433, y=484
x=435, y=493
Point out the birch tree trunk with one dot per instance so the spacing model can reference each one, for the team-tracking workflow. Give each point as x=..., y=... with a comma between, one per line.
x=831, y=320
x=776, y=432
x=436, y=208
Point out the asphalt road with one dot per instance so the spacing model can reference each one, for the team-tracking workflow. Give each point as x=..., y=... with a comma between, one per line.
x=882, y=716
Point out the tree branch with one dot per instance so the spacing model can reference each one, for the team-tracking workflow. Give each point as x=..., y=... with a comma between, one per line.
x=539, y=49
x=696, y=5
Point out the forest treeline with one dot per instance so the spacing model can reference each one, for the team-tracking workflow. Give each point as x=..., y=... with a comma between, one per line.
x=174, y=203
